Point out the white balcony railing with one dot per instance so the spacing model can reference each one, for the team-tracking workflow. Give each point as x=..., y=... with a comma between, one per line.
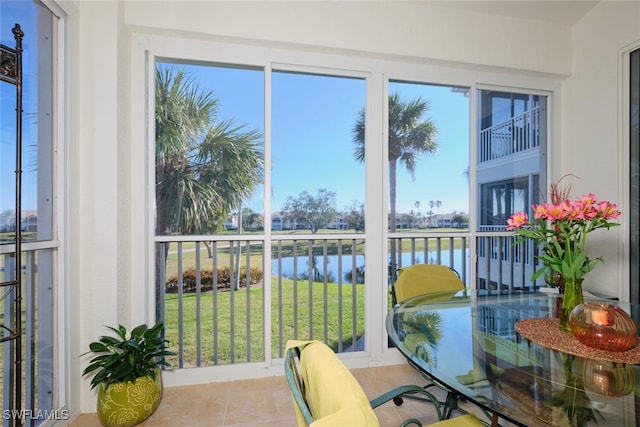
x=518, y=134
x=317, y=289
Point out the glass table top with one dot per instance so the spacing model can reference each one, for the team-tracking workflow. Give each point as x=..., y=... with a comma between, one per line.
x=468, y=342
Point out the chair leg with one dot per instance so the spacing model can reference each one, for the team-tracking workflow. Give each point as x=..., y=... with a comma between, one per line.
x=450, y=404
x=409, y=392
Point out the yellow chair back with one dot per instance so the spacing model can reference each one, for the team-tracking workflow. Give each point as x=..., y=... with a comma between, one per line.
x=439, y=281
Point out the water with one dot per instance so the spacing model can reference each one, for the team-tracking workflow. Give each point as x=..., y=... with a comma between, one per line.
x=347, y=263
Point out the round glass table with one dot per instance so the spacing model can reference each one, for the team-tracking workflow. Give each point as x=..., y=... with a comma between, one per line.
x=468, y=342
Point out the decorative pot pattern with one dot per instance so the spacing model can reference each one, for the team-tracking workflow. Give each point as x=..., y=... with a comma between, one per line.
x=128, y=404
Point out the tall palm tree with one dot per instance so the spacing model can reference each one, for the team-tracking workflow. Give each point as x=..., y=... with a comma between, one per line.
x=410, y=135
x=204, y=167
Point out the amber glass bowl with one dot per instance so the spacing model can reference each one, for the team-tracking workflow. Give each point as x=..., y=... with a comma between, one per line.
x=609, y=378
x=603, y=326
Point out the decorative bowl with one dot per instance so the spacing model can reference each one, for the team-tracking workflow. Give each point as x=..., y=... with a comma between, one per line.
x=603, y=326
x=610, y=378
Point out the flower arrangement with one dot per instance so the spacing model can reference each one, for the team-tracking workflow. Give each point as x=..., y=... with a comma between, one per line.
x=129, y=356
x=563, y=228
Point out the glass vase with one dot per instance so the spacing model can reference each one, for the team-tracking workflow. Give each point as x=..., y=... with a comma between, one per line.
x=603, y=326
x=553, y=278
x=571, y=298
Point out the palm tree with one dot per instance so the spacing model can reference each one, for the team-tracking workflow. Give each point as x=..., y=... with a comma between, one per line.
x=410, y=135
x=204, y=167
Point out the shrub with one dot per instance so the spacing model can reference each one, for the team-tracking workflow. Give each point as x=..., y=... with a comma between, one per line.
x=206, y=279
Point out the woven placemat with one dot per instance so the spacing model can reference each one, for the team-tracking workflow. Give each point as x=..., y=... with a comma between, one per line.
x=546, y=332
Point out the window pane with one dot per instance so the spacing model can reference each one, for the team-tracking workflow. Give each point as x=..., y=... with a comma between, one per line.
x=318, y=187
x=37, y=141
x=318, y=178
x=428, y=157
x=210, y=181
x=503, y=199
x=511, y=135
x=510, y=178
x=209, y=149
x=8, y=163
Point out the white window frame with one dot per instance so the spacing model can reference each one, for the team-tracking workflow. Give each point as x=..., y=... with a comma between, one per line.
x=378, y=72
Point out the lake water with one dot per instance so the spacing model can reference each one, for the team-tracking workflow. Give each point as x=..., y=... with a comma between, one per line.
x=347, y=262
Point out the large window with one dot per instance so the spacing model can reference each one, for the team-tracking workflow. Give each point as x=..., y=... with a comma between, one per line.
x=286, y=203
x=213, y=233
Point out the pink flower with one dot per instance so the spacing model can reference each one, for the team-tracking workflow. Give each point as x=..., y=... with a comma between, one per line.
x=608, y=210
x=588, y=199
x=558, y=212
x=517, y=220
x=540, y=211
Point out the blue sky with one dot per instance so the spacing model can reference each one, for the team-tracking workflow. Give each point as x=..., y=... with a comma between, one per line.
x=312, y=123
x=12, y=12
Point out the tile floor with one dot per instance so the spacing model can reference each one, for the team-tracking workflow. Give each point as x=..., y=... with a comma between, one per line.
x=266, y=402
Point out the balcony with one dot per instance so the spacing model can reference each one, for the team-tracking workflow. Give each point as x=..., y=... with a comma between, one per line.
x=516, y=135
x=317, y=289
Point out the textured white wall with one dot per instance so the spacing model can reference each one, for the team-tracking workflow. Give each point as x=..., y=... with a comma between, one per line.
x=415, y=29
x=93, y=171
x=591, y=145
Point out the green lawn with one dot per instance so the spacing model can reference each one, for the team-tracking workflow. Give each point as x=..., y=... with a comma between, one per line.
x=237, y=330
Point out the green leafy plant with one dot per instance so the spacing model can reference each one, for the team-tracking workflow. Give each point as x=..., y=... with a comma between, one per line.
x=128, y=356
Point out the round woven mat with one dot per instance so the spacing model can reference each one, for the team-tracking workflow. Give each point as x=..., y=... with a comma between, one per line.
x=546, y=332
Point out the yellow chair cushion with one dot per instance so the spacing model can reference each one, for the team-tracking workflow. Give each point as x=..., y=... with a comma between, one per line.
x=468, y=420
x=425, y=279
x=334, y=396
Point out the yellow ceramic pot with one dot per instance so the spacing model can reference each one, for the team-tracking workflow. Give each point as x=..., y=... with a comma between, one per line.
x=128, y=404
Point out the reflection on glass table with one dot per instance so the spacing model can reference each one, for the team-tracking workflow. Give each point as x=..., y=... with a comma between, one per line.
x=469, y=343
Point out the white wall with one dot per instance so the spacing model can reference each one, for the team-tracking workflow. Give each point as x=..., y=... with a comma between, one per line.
x=92, y=176
x=104, y=281
x=591, y=145
x=412, y=29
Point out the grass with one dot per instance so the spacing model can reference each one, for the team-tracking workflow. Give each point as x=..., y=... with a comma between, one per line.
x=232, y=324
x=238, y=337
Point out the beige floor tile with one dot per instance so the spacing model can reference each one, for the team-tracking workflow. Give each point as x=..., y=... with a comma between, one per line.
x=266, y=402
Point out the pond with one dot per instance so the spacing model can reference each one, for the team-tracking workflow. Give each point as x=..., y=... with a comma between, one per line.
x=287, y=264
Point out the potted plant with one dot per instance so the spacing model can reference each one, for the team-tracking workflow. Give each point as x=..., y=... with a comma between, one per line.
x=126, y=370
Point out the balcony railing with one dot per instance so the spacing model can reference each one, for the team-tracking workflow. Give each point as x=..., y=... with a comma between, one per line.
x=518, y=134
x=36, y=364
x=317, y=289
